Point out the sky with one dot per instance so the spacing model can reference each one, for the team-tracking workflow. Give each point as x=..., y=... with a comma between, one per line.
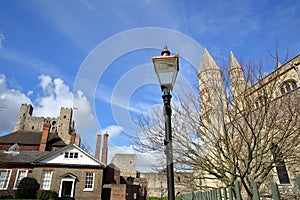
x=95, y=56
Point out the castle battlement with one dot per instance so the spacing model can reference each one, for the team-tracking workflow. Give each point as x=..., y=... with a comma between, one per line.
x=62, y=124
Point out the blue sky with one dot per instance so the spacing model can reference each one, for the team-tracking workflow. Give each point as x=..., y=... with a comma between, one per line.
x=96, y=55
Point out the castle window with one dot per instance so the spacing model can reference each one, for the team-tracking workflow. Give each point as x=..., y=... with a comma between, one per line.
x=65, y=116
x=53, y=126
x=4, y=178
x=288, y=86
x=32, y=127
x=23, y=117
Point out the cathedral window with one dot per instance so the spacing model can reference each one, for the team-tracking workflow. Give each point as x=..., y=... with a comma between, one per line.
x=288, y=86
x=282, y=173
x=261, y=101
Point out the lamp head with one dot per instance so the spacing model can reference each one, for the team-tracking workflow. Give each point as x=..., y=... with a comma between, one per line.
x=166, y=68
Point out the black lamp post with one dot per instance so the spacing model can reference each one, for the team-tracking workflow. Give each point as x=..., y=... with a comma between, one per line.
x=166, y=68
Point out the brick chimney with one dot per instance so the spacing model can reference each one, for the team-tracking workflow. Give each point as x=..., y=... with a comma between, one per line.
x=73, y=136
x=104, y=149
x=98, y=143
x=45, y=135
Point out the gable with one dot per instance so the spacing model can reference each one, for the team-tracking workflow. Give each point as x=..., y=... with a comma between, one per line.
x=70, y=155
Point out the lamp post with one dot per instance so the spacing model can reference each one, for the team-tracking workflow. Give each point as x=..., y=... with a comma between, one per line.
x=166, y=68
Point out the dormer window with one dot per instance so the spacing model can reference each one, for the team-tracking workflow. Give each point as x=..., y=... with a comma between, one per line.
x=71, y=155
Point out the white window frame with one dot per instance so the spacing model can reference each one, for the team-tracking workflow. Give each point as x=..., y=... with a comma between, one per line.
x=48, y=178
x=6, y=180
x=71, y=155
x=61, y=184
x=19, y=178
x=88, y=184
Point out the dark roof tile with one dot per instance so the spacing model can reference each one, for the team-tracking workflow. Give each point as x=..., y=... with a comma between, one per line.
x=30, y=138
x=21, y=156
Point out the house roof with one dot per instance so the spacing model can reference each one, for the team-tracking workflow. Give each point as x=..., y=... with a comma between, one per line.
x=30, y=138
x=25, y=157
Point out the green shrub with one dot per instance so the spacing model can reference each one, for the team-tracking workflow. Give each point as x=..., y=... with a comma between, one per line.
x=27, y=188
x=47, y=194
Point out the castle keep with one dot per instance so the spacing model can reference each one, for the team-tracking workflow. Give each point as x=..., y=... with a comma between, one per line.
x=63, y=125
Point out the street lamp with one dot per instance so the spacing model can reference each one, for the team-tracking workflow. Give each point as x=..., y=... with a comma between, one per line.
x=166, y=68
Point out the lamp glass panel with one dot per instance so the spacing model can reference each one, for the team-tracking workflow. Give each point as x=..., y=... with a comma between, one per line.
x=166, y=78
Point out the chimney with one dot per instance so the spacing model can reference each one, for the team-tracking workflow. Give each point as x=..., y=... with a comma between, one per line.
x=97, y=153
x=45, y=135
x=104, y=149
x=73, y=136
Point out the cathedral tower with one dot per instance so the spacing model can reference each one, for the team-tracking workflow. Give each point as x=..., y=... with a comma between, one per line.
x=212, y=92
x=236, y=75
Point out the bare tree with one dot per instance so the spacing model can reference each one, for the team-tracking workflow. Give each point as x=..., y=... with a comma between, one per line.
x=254, y=133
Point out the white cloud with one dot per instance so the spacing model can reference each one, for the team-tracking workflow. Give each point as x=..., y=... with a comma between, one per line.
x=10, y=102
x=30, y=92
x=57, y=94
x=2, y=39
x=113, y=131
x=45, y=83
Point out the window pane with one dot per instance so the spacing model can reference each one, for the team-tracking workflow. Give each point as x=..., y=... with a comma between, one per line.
x=288, y=87
x=283, y=174
x=21, y=174
x=4, y=178
x=46, y=180
x=89, y=180
x=294, y=85
x=282, y=91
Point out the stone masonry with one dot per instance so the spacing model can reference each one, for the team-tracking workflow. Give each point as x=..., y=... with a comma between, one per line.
x=62, y=125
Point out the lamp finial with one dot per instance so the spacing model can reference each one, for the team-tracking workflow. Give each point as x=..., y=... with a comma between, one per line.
x=165, y=51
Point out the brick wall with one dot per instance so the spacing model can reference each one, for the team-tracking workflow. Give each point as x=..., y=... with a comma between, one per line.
x=22, y=147
x=10, y=191
x=80, y=194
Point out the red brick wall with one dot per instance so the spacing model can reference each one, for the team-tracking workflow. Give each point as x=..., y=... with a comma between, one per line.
x=22, y=147
x=27, y=147
x=118, y=192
